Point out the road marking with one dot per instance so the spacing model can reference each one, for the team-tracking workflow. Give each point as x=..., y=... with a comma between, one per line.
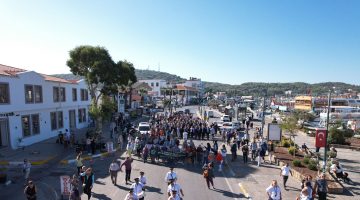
x=227, y=182
x=51, y=188
x=243, y=190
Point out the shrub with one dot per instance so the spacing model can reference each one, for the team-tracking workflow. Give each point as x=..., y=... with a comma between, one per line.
x=292, y=150
x=348, y=133
x=307, y=156
x=336, y=136
x=312, y=161
x=312, y=167
x=286, y=144
x=306, y=161
x=297, y=163
x=332, y=154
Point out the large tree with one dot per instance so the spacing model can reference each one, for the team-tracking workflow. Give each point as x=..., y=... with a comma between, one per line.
x=102, y=74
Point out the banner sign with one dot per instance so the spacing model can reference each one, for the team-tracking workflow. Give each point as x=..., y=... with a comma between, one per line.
x=274, y=132
x=320, y=138
x=65, y=185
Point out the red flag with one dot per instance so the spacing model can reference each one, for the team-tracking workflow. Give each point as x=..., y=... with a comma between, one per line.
x=320, y=137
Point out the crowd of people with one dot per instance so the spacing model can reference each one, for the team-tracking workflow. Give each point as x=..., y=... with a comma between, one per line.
x=174, y=135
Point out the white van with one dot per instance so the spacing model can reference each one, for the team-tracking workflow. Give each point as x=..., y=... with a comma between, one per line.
x=210, y=113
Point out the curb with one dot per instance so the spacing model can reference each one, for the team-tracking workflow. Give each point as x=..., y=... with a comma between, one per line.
x=17, y=163
x=65, y=162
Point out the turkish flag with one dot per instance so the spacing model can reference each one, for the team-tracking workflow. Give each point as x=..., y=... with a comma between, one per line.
x=320, y=137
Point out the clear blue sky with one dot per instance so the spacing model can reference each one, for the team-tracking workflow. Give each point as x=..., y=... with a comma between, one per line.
x=229, y=41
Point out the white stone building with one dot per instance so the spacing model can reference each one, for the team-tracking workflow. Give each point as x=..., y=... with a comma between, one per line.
x=156, y=85
x=196, y=83
x=35, y=107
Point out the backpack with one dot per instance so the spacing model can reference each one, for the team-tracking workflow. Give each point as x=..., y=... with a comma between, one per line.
x=206, y=173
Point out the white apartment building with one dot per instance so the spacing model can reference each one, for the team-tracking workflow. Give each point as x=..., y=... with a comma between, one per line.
x=156, y=85
x=35, y=107
x=195, y=83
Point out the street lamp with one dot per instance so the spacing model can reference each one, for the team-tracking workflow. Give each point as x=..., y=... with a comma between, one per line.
x=327, y=130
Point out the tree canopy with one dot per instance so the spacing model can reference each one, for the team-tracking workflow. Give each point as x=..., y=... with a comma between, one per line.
x=101, y=73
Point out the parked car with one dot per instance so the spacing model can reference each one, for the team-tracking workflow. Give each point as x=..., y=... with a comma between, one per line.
x=144, y=128
x=225, y=118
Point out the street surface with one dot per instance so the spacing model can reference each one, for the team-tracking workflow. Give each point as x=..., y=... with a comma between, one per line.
x=236, y=181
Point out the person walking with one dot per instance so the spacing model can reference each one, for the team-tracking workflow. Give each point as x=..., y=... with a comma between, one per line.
x=26, y=170
x=170, y=175
x=245, y=151
x=30, y=191
x=113, y=171
x=79, y=163
x=274, y=191
x=306, y=192
x=233, y=151
x=74, y=194
x=131, y=195
x=253, y=147
x=88, y=182
x=270, y=151
x=127, y=163
x=285, y=172
x=223, y=153
x=174, y=195
x=138, y=189
x=142, y=178
x=175, y=186
x=208, y=174
x=321, y=186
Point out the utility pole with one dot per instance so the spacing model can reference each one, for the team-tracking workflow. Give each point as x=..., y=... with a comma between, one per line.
x=327, y=130
x=263, y=114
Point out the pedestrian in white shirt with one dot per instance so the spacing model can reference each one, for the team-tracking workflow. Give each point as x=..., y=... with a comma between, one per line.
x=175, y=186
x=138, y=189
x=26, y=170
x=274, y=191
x=185, y=135
x=113, y=170
x=131, y=195
x=174, y=196
x=285, y=172
x=142, y=178
x=171, y=175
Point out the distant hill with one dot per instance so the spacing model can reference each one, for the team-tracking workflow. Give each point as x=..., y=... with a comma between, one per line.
x=250, y=88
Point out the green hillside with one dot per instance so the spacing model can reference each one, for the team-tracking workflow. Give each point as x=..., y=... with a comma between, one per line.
x=250, y=88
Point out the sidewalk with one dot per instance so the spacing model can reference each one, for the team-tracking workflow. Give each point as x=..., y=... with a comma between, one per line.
x=43, y=152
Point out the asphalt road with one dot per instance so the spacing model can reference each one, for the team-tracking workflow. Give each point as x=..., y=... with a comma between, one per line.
x=236, y=181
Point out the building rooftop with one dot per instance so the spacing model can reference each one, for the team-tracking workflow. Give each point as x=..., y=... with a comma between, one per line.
x=13, y=72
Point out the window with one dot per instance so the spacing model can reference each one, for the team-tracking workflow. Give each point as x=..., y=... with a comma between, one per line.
x=29, y=94
x=60, y=119
x=152, y=84
x=35, y=122
x=33, y=94
x=84, y=95
x=62, y=94
x=30, y=124
x=56, y=94
x=74, y=94
x=157, y=84
x=59, y=94
x=53, y=120
x=38, y=94
x=4, y=93
x=82, y=115
x=26, y=125
x=56, y=119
